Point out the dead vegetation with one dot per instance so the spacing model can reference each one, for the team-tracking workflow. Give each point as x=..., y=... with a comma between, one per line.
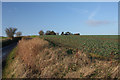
x=36, y=59
x=29, y=49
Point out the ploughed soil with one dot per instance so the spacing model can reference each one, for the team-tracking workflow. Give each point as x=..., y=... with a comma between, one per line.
x=37, y=58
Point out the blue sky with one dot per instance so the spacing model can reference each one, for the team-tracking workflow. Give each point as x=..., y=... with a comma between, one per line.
x=88, y=18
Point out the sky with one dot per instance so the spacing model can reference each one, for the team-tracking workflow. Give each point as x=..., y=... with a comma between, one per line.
x=86, y=18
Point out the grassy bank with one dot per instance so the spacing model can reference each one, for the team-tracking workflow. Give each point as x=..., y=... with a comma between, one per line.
x=6, y=64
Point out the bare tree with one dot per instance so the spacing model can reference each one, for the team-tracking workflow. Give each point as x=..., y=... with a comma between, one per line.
x=18, y=34
x=10, y=32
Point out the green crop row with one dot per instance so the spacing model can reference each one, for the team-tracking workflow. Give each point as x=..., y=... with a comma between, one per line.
x=88, y=44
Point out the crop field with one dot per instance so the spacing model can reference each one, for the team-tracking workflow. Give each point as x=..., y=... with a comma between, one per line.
x=57, y=56
x=103, y=45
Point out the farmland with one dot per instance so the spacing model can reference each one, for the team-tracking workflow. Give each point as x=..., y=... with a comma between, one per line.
x=55, y=56
x=60, y=40
x=95, y=44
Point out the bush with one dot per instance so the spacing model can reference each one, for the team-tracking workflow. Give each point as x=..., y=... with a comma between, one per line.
x=62, y=33
x=50, y=33
x=18, y=34
x=69, y=51
x=47, y=32
x=41, y=32
x=68, y=33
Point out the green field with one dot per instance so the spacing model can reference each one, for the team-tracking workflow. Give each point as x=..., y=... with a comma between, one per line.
x=95, y=44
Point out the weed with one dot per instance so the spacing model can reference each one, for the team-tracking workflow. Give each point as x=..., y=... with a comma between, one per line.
x=69, y=51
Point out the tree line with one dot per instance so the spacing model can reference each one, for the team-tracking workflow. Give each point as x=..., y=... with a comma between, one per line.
x=41, y=32
x=10, y=32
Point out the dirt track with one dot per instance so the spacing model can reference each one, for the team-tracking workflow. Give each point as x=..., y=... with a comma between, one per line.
x=6, y=50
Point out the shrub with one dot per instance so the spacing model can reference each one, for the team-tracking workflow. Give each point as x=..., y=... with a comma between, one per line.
x=47, y=32
x=69, y=51
x=50, y=33
x=68, y=33
x=41, y=32
x=62, y=33
x=18, y=34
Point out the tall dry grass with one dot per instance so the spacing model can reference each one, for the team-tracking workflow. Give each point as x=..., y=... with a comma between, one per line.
x=49, y=62
x=44, y=61
x=29, y=49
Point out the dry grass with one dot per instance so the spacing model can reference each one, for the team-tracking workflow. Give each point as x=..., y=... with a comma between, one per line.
x=49, y=62
x=38, y=60
x=28, y=50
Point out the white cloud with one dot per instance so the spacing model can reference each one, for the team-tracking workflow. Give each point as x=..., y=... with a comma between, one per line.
x=92, y=22
x=98, y=22
x=93, y=14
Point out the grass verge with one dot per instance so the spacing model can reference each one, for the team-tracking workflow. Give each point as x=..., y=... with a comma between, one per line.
x=5, y=65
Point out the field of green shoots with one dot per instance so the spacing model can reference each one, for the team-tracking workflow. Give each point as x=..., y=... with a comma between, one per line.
x=102, y=45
